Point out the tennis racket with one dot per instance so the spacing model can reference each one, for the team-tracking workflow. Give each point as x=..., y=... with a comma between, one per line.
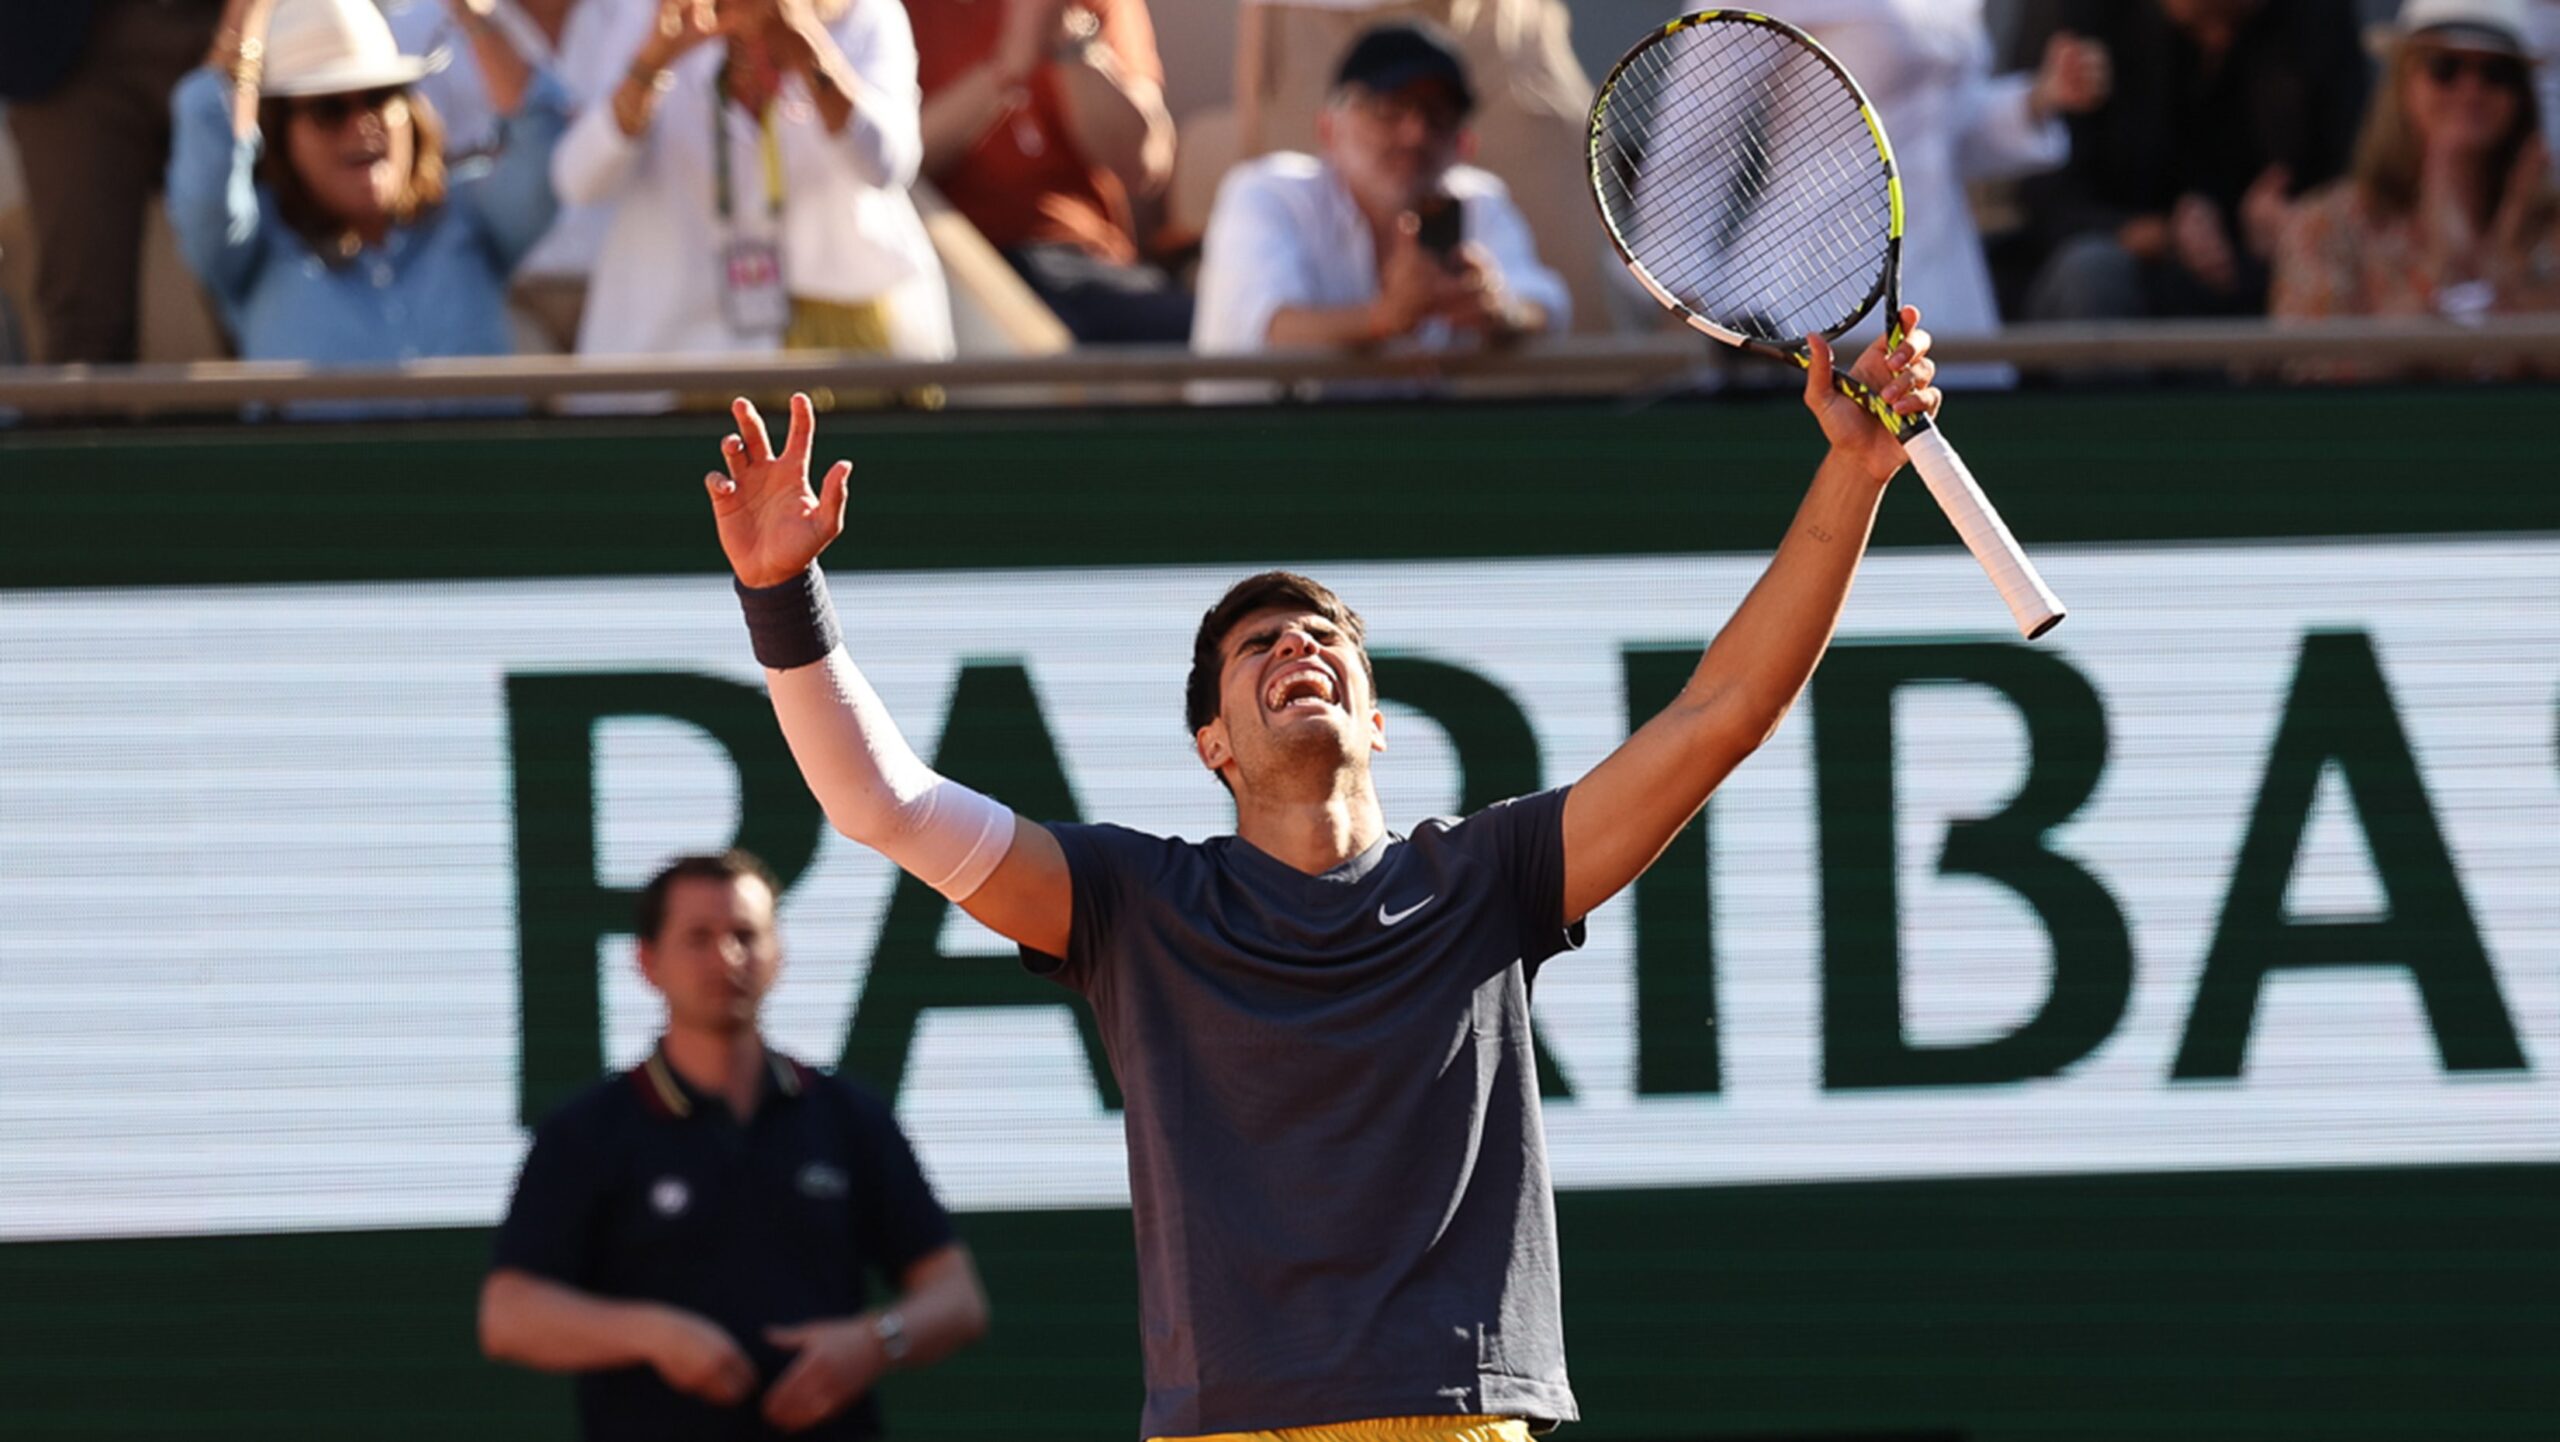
x=1748, y=184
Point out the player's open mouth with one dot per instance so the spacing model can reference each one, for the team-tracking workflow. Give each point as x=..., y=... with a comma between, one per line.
x=1310, y=686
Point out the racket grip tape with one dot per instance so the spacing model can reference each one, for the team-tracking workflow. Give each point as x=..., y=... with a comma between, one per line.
x=2033, y=604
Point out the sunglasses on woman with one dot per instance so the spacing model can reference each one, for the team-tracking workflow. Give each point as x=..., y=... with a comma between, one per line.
x=331, y=111
x=2447, y=67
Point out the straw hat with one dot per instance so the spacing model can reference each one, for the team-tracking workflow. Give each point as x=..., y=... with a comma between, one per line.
x=2501, y=26
x=330, y=47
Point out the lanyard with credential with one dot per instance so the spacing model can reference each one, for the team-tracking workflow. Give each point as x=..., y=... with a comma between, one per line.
x=752, y=296
x=769, y=147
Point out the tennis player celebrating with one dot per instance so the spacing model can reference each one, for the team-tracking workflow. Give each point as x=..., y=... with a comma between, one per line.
x=1321, y=1028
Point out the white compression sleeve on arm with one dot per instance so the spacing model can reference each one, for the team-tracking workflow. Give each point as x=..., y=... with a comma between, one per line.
x=874, y=787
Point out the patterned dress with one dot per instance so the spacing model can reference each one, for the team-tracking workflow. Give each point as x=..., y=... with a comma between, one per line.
x=2342, y=256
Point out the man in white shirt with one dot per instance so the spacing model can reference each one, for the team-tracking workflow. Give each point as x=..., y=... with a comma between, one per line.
x=1531, y=122
x=1335, y=250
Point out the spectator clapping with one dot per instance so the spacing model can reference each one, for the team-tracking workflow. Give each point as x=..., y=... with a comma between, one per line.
x=758, y=155
x=310, y=192
x=1043, y=121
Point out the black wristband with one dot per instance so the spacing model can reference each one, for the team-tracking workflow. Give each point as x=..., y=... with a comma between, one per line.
x=793, y=624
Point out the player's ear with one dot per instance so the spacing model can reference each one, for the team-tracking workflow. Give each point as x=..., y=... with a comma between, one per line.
x=644, y=955
x=1377, y=730
x=1210, y=742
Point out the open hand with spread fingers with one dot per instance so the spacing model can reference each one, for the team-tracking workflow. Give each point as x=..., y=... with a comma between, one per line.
x=771, y=524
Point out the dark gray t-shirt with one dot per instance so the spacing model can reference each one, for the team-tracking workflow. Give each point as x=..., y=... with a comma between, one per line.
x=1335, y=1154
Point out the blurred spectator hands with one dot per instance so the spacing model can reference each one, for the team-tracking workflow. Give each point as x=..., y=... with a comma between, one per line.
x=1412, y=284
x=1474, y=298
x=2448, y=203
x=1033, y=30
x=2511, y=230
x=2073, y=78
x=1466, y=291
x=2264, y=208
x=682, y=26
x=2200, y=243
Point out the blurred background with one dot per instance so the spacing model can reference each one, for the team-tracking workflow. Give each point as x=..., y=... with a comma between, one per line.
x=2145, y=1033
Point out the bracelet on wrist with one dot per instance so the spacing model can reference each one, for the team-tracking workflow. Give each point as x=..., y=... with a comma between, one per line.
x=891, y=1330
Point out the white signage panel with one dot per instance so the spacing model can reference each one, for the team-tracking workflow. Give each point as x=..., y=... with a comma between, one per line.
x=259, y=935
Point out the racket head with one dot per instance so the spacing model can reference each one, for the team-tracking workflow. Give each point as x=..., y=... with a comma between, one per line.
x=1747, y=183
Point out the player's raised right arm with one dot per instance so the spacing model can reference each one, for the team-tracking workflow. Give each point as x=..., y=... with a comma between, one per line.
x=1005, y=870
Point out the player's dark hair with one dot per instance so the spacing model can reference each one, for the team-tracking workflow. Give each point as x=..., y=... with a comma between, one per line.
x=650, y=916
x=1256, y=593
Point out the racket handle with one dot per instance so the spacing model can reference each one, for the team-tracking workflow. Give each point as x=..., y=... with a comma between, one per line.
x=2034, y=605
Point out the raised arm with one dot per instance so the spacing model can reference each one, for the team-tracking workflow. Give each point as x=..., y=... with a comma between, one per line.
x=512, y=200
x=240, y=53
x=1620, y=817
x=1111, y=86
x=504, y=72
x=601, y=153
x=860, y=73
x=1006, y=871
x=211, y=181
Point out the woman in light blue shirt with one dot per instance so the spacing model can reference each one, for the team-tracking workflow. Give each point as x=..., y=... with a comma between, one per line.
x=310, y=194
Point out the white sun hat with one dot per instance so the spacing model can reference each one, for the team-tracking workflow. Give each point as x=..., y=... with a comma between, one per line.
x=2503, y=26
x=330, y=47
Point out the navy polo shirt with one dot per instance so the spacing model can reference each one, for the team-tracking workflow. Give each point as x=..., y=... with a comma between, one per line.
x=644, y=1188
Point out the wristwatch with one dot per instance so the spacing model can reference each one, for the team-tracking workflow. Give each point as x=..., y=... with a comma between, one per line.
x=891, y=1329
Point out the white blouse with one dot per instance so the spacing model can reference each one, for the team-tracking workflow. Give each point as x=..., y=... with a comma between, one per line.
x=1926, y=66
x=846, y=231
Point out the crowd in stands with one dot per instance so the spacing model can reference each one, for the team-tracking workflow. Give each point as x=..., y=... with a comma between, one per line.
x=369, y=181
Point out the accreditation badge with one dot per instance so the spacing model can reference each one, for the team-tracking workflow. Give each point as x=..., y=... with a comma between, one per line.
x=753, y=298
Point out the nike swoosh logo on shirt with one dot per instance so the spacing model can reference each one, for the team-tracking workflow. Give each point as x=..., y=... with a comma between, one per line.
x=1390, y=918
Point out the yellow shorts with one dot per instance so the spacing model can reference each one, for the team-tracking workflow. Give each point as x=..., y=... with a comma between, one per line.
x=1384, y=1429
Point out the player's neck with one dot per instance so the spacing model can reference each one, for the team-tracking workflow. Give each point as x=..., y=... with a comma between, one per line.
x=1313, y=836
x=729, y=1065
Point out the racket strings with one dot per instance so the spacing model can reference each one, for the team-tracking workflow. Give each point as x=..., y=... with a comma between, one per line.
x=1753, y=249
x=1739, y=171
x=1746, y=214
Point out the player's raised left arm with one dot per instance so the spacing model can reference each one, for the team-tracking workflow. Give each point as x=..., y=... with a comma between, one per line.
x=1618, y=818
x=1007, y=870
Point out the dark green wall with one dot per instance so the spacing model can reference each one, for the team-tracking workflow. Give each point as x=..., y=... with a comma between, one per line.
x=959, y=489
x=2414, y=1304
